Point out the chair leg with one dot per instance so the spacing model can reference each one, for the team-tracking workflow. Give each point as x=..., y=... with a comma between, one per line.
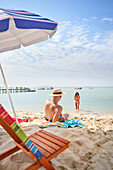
x=44, y=162
x=9, y=152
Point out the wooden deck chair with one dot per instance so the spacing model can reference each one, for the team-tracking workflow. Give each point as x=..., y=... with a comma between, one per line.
x=40, y=147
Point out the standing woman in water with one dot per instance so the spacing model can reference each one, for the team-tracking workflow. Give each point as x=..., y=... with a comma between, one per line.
x=77, y=100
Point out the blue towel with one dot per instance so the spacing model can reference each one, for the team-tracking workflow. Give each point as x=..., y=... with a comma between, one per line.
x=71, y=123
x=66, y=124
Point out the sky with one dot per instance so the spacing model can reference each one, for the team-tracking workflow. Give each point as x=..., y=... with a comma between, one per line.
x=79, y=54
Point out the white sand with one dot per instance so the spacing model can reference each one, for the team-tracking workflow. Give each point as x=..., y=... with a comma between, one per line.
x=91, y=147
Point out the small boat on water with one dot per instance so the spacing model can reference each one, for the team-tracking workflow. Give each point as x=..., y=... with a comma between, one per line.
x=78, y=87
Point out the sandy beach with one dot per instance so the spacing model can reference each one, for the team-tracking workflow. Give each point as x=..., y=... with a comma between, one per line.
x=91, y=147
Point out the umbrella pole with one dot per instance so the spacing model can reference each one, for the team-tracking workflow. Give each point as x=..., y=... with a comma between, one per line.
x=8, y=93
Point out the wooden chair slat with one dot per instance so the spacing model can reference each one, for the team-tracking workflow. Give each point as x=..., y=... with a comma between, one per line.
x=43, y=145
x=43, y=151
x=47, y=142
x=55, y=137
x=51, y=138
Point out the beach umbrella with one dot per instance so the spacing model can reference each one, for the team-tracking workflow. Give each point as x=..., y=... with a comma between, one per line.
x=19, y=27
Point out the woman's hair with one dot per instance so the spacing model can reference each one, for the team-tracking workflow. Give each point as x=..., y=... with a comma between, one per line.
x=76, y=93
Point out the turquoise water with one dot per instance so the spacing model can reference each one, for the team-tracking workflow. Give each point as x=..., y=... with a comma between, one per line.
x=91, y=100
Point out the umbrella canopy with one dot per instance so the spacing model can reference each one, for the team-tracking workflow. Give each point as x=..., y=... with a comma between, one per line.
x=18, y=27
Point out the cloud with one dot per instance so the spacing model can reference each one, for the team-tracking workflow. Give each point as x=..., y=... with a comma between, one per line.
x=93, y=18
x=76, y=53
x=85, y=19
x=107, y=19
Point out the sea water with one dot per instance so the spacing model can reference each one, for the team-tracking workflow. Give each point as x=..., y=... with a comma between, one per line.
x=98, y=100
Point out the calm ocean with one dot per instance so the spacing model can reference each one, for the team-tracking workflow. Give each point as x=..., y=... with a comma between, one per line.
x=91, y=100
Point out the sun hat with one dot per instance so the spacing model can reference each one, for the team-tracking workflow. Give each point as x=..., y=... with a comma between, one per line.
x=57, y=92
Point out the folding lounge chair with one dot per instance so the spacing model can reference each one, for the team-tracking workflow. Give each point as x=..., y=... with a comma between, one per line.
x=41, y=146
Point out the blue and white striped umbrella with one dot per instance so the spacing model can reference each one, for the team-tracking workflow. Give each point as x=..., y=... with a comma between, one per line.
x=22, y=27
